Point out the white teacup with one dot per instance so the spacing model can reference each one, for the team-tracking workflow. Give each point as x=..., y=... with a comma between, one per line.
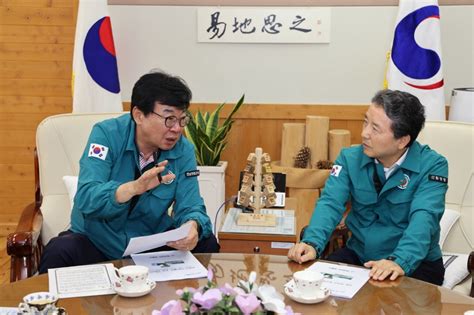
x=132, y=278
x=40, y=303
x=308, y=282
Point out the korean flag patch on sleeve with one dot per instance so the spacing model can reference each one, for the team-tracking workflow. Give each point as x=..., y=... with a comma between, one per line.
x=98, y=151
x=336, y=169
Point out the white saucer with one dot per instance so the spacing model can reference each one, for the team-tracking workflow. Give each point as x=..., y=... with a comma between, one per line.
x=150, y=285
x=318, y=297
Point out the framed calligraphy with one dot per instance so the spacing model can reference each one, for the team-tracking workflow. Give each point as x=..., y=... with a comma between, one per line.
x=263, y=25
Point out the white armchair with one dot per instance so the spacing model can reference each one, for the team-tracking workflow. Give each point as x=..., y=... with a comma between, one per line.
x=455, y=141
x=60, y=141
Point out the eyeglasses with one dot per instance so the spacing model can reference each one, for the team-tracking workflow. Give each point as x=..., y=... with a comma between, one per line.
x=170, y=121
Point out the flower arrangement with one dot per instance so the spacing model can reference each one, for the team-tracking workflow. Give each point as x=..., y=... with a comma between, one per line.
x=246, y=298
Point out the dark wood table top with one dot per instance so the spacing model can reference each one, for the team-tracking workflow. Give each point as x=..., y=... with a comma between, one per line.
x=404, y=296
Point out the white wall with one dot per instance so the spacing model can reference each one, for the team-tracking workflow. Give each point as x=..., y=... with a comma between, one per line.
x=347, y=70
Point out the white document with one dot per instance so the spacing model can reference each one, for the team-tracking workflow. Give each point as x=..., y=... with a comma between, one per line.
x=143, y=243
x=85, y=280
x=171, y=265
x=343, y=281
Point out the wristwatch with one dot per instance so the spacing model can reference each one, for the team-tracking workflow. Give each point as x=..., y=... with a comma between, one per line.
x=392, y=258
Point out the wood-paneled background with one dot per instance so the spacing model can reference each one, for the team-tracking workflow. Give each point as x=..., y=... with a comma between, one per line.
x=36, y=47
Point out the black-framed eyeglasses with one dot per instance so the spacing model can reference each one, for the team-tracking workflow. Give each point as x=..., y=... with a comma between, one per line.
x=170, y=121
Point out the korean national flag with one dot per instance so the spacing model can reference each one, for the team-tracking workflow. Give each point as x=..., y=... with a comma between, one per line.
x=98, y=151
x=95, y=81
x=415, y=64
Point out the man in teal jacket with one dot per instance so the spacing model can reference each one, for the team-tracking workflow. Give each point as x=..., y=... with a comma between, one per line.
x=396, y=188
x=133, y=169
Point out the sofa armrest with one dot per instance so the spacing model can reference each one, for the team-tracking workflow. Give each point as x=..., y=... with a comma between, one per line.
x=470, y=267
x=24, y=245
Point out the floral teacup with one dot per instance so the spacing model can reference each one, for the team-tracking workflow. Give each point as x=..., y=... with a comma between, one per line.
x=132, y=278
x=40, y=303
x=308, y=282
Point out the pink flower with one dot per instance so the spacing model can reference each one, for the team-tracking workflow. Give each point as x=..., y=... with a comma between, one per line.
x=227, y=289
x=210, y=275
x=247, y=304
x=180, y=292
x=289, y=311
x=209, y=299
x=172, y=307
x=193, y=309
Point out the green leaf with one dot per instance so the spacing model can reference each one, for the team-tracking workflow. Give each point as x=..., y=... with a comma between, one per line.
x=200, y=122
x=210, y=139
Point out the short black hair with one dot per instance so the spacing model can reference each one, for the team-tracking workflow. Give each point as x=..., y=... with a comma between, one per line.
x=161, y=87
x=404, y=110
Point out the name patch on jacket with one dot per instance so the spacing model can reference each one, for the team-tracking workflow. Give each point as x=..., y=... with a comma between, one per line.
x=437, y=178
x=192, y=173
x=98, y=151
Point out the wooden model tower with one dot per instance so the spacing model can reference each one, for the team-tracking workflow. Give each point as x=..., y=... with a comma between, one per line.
x=257, y=190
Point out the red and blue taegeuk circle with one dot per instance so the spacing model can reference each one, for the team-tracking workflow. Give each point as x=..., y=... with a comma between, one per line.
x=99, y=55
x=412, y=60
x=96, y=150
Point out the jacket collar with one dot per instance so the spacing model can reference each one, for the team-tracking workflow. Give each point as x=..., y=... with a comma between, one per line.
x=411, y=163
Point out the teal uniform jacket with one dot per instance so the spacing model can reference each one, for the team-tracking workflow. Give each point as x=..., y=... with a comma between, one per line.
x=401, y=221
x=110, y=225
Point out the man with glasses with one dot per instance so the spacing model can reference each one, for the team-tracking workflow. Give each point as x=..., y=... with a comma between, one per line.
x=133, y=169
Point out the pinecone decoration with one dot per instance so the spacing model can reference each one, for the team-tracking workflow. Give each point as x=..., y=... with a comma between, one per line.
x=324, y=164
x=302, y=158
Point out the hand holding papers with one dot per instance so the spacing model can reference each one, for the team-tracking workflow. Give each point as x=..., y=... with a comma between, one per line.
x=143, y=243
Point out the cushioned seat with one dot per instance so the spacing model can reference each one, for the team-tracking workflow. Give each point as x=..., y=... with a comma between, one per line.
x=455, y=140
x=60, y=142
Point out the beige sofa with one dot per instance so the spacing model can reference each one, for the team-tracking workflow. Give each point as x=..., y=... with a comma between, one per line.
x=455, y=141
x=60, y=141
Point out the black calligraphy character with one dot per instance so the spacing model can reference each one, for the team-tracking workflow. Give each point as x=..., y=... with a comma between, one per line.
x=244, y=27
x=298, y=21
x=272, y=25
x=216, y=26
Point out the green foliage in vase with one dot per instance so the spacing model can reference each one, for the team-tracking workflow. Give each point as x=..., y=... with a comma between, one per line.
x=210, y=139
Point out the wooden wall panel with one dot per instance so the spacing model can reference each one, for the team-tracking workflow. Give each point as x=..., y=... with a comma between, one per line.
x=38, y=3
x=17, y=15
x=35, y=69
x=35, y=104
x=11, y=155
x=36, y=45
x=37, y=86
x=36, y=51
x=39, y=34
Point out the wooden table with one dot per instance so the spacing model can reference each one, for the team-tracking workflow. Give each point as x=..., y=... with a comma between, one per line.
x=407, y=296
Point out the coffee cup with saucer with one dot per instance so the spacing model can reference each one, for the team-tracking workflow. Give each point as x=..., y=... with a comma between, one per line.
x=132, y=281
x=41, y=303
x=306, y=287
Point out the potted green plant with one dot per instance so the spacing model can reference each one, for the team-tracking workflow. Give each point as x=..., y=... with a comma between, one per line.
x=208, y=137
x=209, y=140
